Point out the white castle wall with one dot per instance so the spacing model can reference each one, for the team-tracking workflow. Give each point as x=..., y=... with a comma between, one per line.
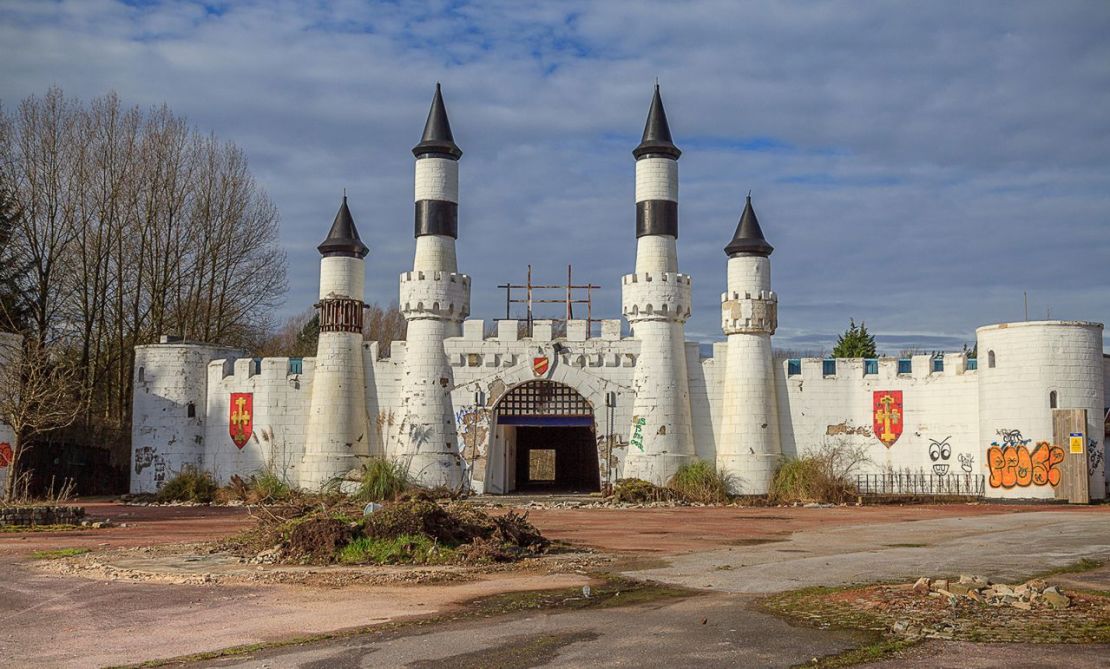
x=10, y=360
x=169, y=379
x=1031, y=360
x=279, y=422
x=819, y=411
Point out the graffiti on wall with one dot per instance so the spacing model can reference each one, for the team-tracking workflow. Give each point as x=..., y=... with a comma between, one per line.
x=637, y=439
x=967, y=462
x=887, y=416
x=1095, y=457
x=1012, y=464
x=472, y=425
x=939, y=453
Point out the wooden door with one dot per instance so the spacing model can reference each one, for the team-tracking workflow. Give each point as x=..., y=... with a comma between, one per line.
x=1069, y=432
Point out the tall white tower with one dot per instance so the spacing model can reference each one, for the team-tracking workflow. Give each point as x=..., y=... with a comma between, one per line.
x=337, y=424
x=656, y=302
x=749, y=449
x=435, y=299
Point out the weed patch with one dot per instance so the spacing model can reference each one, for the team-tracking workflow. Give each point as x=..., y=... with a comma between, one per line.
x=58, y=553
x=698, y=481
x=189, y=485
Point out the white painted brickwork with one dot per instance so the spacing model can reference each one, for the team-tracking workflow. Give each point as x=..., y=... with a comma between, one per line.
x=164, y=439
x=432, y=294
x=1033, y=359
x=437, y=179
x=656, y=296
x=656, y=253
x=435, y=253
x=749, y=449
x=342, y=276
x=279, y=421
x=338, y=429
x=818, y=412
x=656, y=179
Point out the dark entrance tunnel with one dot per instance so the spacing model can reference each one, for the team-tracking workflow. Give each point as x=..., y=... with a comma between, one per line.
x=556, y=459
x=548, y=435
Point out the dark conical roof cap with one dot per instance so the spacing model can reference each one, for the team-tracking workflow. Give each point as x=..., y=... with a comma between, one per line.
x=437, y=136
x=343, y=239
x=749, y=236
x=657, y=133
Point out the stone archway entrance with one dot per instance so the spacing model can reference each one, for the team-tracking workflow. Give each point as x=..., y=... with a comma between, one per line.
x=543, y=441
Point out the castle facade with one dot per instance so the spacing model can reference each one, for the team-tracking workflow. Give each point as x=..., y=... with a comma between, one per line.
x=534, y=411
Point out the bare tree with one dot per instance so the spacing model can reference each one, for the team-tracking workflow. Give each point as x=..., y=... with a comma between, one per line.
x=43, y=394
x=128, y=224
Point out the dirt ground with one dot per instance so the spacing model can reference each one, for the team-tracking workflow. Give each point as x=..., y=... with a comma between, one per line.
x=63, y=620
x=641, y=531
x=672, y=531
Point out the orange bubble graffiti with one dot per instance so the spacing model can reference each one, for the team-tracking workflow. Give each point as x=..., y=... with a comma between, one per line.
x=1016, y=466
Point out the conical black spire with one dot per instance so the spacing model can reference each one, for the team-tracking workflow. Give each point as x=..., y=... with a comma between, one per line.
x=749, y=236
x=343, y=239
x=657, y=134
x=437, y=132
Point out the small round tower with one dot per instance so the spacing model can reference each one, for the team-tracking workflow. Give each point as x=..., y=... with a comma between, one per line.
x=656, y=302
x=435, y=299
x=169, y=409
x=337, y=428
x=1025, y=370
x=749, y=449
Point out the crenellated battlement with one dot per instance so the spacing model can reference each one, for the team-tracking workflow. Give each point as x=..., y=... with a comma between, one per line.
x=749, y=313
x=656, y=296
x=437, y=295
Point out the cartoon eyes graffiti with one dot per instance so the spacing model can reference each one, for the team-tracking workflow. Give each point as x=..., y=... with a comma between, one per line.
x=939, y=452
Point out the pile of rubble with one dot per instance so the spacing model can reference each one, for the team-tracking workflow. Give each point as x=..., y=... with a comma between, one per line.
x=1026, y=596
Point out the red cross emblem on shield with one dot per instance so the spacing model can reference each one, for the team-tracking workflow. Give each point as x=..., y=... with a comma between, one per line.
x=241, y=420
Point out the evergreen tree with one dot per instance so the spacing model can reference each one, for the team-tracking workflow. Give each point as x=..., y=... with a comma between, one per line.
x=856, y=342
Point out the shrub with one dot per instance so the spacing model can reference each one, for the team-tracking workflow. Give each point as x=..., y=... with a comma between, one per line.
x=265, y=487
x=698, y=481
x=383, y=480
x=190, y=485
x=638, y=491
x=821, y=475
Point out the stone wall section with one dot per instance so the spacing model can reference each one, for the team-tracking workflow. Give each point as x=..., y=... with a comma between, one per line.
x=171, y=382
x=818, y=411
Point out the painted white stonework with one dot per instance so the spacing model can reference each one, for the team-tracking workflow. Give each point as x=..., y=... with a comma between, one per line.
x=749, y=449
x=656, y=179
x=337, y=426
x=437, y=179
x=433, y=404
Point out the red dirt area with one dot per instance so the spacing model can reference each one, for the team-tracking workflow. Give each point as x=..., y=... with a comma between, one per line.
x=674, y=530
x=146, y=526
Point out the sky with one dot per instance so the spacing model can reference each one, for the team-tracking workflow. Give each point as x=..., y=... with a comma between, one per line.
x=917, y=166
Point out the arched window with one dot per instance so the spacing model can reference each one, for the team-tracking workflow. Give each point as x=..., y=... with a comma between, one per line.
x=1052, y=400
x=142, y=374
x=191, y=410
x=990, y=359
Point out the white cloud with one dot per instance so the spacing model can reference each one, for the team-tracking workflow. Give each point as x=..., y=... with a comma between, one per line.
x=936, y=159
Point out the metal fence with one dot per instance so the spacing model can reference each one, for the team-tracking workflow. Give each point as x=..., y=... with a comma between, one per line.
x=921, y=484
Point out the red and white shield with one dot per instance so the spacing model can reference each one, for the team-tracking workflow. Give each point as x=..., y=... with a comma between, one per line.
x=888, y=416
x=540, y=365
x=5, y=454
x=241, y=420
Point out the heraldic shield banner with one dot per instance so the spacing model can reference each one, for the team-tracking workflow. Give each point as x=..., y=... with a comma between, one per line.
x=241, y=420
x=887, y=415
